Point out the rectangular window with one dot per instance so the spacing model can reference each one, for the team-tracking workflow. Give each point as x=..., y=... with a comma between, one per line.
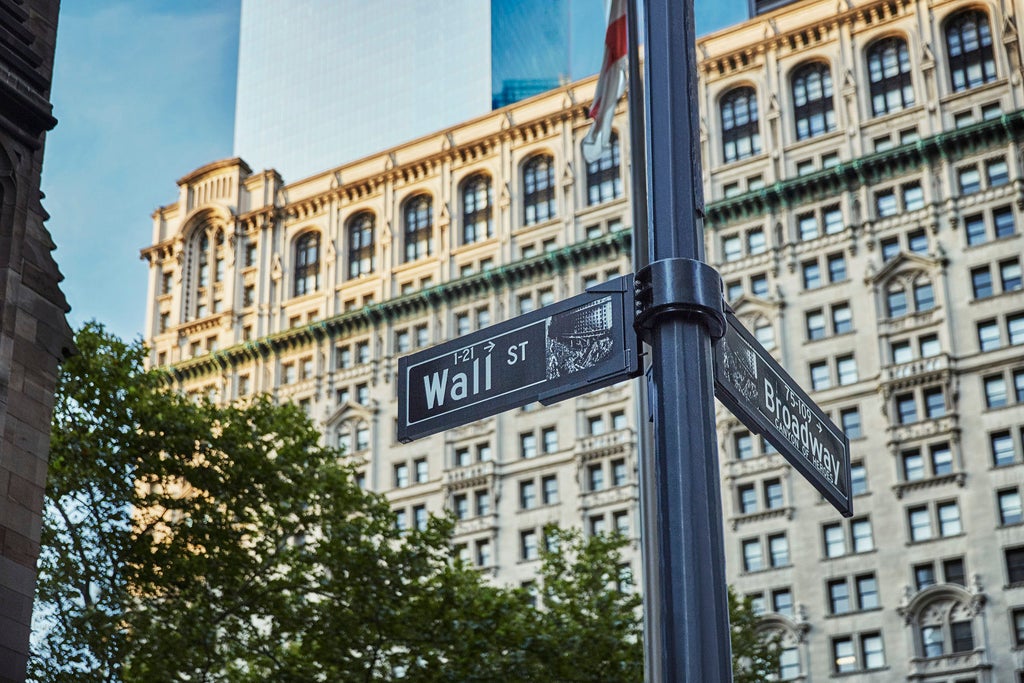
x=1010, y=275
x=420, y=465
x=954, y=572
x=929, y=345
x=419, y=517
x=913, y=197
x=995, y=391
x=808, y=226
x=867, y=592
x=836, y=268
x=1002, y=449
x=778, y=549
x=844, y=658
x=913, y=465
x=849, y=419
x=744, y=444
x=460, y=503
x=920, y=523
x=970, y=180
x=924, y=297
x=528, y=545
x=782, y=601
x=1004, y=222
x=835, y=540
x=838, y=596
x=846, y=366
x=997, y=172
x=483, y=503
x=934, y=402
x=462, y=457
x=890, y=248
x=773, y=494
x=885, y=203
x=759, y=285
x=1009, y=506
x=752, y=559
x=620, y=520
x=619, y=474
x=906, y=409
x=619, y=420
x=528, y=445
x=527, y=495
x=595, y=477
x=732, y=248
x=863, y=541
x=812, y=275
x=597, y=525
x=833, y=216
x=896, y=303
x=981, y=282
x=1015, y=565
x=871, y=649
x=733, y=290
x=549, y=485
x=842, y=319
x=962, y=636
x=1018, y=385
x=924, y=575
x=974, y=228
x=942, y=459
x=595, y=425
x=988, y=335
x=756, y=243
x=820, y=379
x=1018, y=626
x=550, y=437
x=901, y=352
x=401, y=475
x=1015, y=328
x=917, y=242
x=858, y=479
x=815, y=325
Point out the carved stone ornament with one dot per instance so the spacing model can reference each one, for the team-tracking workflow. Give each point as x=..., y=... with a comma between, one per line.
x=276, y=270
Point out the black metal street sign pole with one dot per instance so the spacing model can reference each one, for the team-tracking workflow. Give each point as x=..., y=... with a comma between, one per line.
x=685, y=601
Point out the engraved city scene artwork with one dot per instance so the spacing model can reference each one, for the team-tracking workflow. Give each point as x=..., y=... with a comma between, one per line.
x=579, y=338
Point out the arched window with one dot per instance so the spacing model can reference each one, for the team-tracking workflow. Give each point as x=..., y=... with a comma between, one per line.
x=969, y=44
x=477, y=223
x=538, y=189
x=361, y=259
x=218, y=257
x=203, y=259
x=812, y=100
x=889, y=73
x=945, y=618
x=740, y=135
x=419, y=226
x=907, y=294
x=307, y=264
x=604, y=182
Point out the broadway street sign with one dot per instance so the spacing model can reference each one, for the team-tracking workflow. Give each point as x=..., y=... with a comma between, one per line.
x=768, y=401
x=548, y=355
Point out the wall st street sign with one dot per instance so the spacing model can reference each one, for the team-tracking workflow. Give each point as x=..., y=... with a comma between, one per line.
x=769, y=402
x=583, y=343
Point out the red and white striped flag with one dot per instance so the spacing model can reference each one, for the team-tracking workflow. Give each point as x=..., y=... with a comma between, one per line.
x=610, y=84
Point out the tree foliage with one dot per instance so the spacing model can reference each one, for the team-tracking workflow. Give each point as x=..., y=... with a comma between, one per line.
x=185, y=541
x=755, y=652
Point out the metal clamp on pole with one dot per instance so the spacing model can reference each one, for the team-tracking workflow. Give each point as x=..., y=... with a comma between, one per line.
x=679, y=286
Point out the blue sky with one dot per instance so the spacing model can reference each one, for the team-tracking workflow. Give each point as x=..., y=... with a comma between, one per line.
x=144, y=93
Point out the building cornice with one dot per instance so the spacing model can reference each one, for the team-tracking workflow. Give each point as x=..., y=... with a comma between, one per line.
x=468, y=288
x=868, y=170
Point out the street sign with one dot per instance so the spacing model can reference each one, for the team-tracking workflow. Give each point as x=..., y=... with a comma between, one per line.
x=769, y=402
x=583, y=343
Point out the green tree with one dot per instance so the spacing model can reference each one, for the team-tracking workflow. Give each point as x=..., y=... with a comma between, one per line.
x=185, y=541
x=755, y=652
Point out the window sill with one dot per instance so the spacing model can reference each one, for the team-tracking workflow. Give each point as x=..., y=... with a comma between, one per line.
x=933, y=539
x=858, y=672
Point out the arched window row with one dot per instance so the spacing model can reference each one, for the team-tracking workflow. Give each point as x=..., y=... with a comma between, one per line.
x=970, y=55
x=206, y=258
x=538, y=189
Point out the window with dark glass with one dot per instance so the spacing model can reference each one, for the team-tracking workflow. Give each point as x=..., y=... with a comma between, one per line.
x=889, y=75
x=981, y=282
x=419, y=224
x=360, y=244
x=740, y=135
x=538, y=189
x=604, y=181
x=477, y=199
x=812, y=100
x=970, y=52
x=1015, y=564
x=307, y=264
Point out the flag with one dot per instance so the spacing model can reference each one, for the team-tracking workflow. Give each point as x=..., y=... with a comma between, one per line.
x=611, y=83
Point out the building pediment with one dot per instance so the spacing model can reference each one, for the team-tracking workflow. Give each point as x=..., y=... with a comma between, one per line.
x=347, y=412
x=902, y=263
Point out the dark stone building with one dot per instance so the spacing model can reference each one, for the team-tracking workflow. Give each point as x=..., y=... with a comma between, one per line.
x=34, y=334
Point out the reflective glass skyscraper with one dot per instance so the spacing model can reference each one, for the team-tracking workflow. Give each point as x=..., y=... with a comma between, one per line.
x=324, y=82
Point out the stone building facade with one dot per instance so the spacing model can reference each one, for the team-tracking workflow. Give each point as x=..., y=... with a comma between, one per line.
x=34, y=335
x=863, y=168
